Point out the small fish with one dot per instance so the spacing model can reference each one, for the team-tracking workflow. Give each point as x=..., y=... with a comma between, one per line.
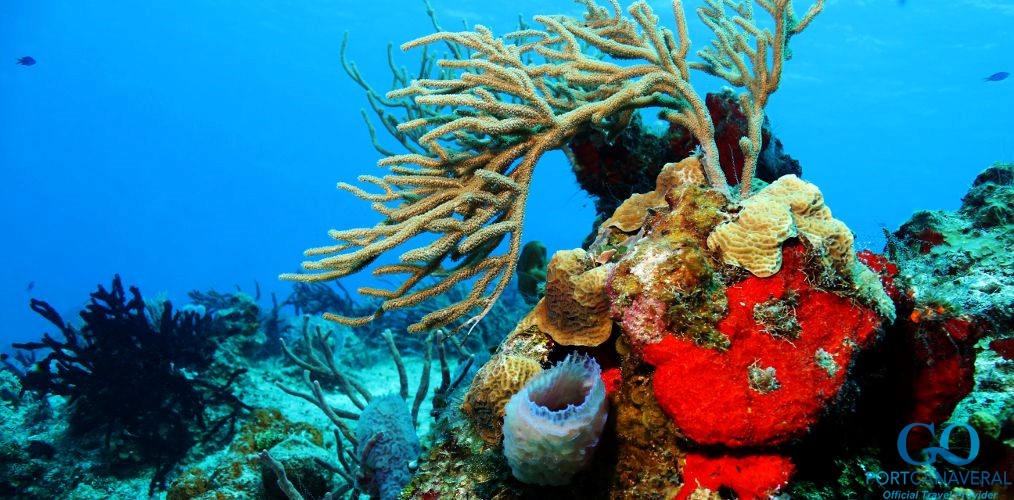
x=31, y=285
x=996, y=77
x=26, y=60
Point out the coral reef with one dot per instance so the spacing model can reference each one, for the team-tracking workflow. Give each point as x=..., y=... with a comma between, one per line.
x=711, y=357
x=706, y=342
x=956, y=259
x=958, y=303
x=737, y=331
x=726, y=337
x=938, y=363
x=140, y=388
x=733, y=360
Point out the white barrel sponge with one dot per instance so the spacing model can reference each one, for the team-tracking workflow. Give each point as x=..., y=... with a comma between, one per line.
x=552, y=425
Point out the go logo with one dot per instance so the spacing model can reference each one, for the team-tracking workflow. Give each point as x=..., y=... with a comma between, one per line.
x=939, y=451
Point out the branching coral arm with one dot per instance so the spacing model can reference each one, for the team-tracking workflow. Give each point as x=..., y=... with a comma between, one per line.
x=758, y=68
x=489, y=115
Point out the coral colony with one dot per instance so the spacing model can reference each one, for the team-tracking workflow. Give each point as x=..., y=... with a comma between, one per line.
x=724, y=305
x=717, y=335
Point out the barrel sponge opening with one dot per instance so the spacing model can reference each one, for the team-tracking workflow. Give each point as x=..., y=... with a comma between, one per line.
x=552, y=425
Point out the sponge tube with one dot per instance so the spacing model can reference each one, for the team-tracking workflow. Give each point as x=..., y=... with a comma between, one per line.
x=553, y=423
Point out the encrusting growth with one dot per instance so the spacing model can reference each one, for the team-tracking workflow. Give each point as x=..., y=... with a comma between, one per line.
x=511, y=100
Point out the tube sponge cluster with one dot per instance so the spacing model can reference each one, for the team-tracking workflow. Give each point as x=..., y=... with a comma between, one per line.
x=552, y=425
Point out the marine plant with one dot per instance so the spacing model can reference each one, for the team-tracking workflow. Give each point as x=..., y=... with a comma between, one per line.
x=480, y=126
x=141, y=387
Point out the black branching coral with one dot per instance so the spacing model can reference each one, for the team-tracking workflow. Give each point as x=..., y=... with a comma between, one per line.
x=138, y=383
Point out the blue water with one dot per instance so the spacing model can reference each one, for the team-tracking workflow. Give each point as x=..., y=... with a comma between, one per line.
x=196, y=144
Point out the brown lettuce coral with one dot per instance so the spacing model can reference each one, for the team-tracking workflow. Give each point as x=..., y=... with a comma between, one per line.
x=575, y=310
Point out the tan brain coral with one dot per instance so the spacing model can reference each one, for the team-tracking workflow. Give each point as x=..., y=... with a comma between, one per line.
x=754, y=239
x=630, y=215
x=788, y=207
x=494, y=384
x=831, y=235
x=575, y=309
x=687, y=171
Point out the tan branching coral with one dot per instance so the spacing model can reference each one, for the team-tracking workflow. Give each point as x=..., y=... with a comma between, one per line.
x=575, y=310
x=384, y=107
x=492, y=387
x=731, y=58
x=787, y=208
x=489, y=117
